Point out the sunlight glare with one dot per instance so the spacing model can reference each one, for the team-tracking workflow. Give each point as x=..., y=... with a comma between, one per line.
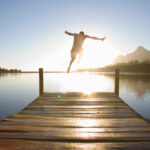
x=97, y=54
x=86, y=83
x=87, y=122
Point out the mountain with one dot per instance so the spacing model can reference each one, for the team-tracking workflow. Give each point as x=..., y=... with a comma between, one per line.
x=140, y=54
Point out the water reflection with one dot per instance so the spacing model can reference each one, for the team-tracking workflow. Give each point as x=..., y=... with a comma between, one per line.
x=6, y=75
x=139, y=84
x=16, y=91
x=19, y=89
x=135, y=91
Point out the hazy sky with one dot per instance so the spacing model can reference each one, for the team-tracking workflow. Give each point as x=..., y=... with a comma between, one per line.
x=32, y=31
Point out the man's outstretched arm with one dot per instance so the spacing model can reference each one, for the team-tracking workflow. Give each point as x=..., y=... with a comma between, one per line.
x=95, y=38
x=72, y=34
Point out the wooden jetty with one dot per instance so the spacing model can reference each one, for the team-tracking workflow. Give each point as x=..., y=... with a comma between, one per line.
x=75, y=121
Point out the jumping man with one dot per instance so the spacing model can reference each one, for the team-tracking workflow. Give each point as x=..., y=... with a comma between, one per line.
x=77, y=45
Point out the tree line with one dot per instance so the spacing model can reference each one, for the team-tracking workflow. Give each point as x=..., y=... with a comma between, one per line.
x=132, y=66
x=4, y=70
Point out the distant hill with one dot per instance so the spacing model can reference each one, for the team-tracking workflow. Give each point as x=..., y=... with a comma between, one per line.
x=140, y=54
x=132, y=66
x=137, y=62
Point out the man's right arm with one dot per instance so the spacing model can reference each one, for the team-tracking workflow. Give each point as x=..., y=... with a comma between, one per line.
x=72, y=34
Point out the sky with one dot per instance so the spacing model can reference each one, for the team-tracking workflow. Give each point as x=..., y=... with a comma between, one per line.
x=32, y=31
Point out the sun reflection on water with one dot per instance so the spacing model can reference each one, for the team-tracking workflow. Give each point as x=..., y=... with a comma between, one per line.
x=86, y=83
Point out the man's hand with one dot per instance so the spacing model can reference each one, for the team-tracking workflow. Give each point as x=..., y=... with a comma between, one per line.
x=72, y=34
x=103, y=39
x=66, y=31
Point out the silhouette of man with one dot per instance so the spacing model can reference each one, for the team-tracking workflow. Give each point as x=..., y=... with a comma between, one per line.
x=77, y=45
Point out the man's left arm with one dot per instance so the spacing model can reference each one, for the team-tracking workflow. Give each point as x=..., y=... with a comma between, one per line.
x=95, y=38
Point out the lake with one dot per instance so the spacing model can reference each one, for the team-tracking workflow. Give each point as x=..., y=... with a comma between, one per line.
x=17, y=90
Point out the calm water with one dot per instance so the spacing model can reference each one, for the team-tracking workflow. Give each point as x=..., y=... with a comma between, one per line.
x=18, y=90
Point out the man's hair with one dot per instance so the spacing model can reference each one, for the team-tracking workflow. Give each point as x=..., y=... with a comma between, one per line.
x=81, y=32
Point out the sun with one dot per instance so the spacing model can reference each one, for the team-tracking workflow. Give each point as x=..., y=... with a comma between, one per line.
x=97, y=54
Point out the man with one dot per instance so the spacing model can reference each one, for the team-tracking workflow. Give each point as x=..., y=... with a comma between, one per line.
x=77, y=45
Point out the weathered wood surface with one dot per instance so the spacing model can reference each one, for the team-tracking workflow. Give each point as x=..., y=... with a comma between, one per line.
x=75, y=121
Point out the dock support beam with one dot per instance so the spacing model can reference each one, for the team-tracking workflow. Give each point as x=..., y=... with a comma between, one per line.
x=117, y=82
x=41, y=81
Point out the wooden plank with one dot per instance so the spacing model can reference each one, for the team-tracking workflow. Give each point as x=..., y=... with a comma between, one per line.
x=78, y=107
x=72, y=119
x=14, y=144
x=81, y=106
x=79, y=94
x=79, y=103
x=86, y=115
x=76, y=120
x=75, y=123
x=78, y=111
x=79, y=136
x=77, y=99
x=26, y=128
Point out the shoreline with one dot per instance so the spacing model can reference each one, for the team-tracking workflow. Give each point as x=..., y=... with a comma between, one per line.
x=111, y=73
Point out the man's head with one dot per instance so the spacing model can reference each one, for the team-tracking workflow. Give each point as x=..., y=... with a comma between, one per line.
x=81, y=32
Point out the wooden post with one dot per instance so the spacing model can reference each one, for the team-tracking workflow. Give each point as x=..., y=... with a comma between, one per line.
x=40, y=81
x=117, y=82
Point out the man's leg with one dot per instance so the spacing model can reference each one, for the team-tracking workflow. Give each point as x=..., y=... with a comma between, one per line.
x=73, y=57
x=79, y=58
x=80, y=55
x=71, y=61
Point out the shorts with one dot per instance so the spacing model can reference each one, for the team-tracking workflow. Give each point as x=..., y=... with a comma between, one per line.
x=75, y=52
